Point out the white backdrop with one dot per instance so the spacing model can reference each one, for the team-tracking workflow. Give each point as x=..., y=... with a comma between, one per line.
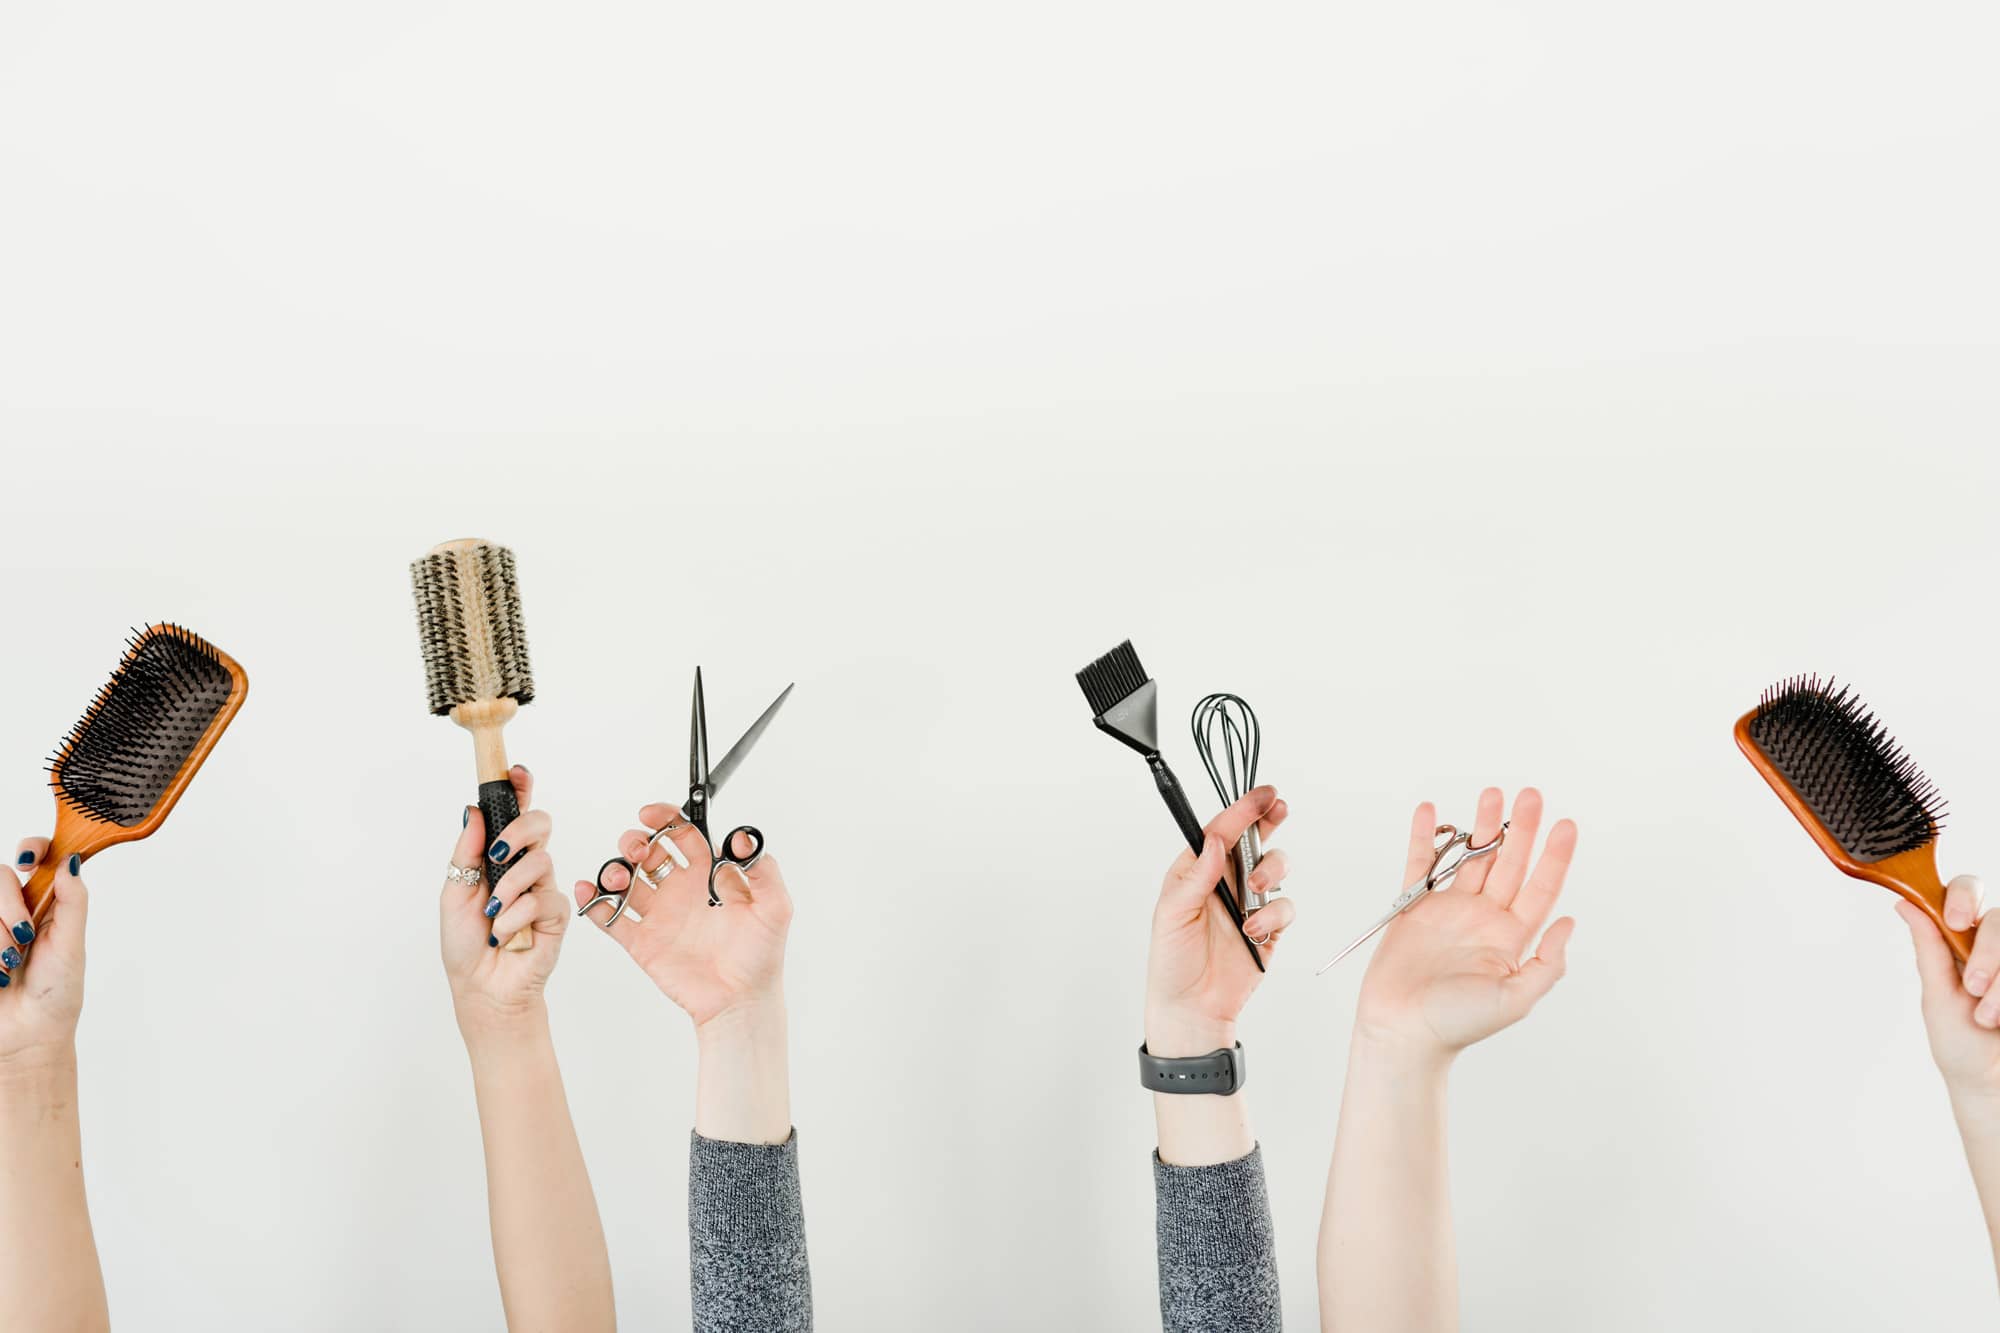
x=1490, y=396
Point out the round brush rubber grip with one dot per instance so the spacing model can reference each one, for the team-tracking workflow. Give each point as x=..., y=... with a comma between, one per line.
x=499, y=807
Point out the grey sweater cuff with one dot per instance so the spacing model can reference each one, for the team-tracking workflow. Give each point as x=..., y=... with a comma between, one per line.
x=747, y=1237
x=1218, y=1254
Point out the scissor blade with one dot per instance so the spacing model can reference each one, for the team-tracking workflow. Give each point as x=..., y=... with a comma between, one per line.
x=720, y=773
x=698, y=737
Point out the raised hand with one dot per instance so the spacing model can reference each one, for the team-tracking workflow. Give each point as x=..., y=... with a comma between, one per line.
x=711, y=961
x=1197, y=976
x=487, y=980
x=1462, y=964
x=41, y=970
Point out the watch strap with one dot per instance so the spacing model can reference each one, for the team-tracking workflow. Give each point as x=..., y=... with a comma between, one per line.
x=1219, y=1073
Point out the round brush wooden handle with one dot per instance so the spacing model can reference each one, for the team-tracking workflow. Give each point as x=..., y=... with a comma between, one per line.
x=499, y=807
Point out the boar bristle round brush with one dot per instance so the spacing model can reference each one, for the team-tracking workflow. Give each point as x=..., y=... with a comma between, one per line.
x=1863, y=799
x=122, y=767
x=476, y=667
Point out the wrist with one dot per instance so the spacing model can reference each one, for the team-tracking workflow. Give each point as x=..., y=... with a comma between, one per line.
x=1173, y=1035
x=754, y=1021
x=1397, y=1059
x=486, y=1024
x=32, y=1069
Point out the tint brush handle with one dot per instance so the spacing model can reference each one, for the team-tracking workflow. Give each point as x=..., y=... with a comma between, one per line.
x=1183, y=813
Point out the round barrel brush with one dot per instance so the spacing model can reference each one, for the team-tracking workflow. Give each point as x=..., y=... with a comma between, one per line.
x=476, y=666
x=126, y=762
x=1863, y=799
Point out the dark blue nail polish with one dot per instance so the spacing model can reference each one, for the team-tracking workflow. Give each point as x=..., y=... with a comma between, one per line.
x=465, y=816
x=497, y=852
x=10, y=957
x=24, y=932
x=492, y=908
x=5, y=981
x=75, y=865
x=26, y=859
x=492, y=941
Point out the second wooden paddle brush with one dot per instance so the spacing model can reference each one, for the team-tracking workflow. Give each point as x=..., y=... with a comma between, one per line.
x=1863, y=799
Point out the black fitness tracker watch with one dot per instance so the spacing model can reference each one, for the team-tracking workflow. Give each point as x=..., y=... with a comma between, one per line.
x=1220, y=1072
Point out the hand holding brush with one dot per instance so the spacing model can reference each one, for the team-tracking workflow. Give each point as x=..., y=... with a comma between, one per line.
x=1961, y=1015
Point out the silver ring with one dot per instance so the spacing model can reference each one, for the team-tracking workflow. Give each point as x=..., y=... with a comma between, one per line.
x=466, y=875
x=653, y=877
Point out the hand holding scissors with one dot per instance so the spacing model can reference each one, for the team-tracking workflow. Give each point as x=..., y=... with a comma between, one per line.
x=1443, y=867
x=703, y=785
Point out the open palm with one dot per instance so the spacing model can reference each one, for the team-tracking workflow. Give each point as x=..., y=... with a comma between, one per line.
x=1450, y=971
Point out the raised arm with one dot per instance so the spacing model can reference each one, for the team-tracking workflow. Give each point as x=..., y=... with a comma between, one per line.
x=725, y=967
x=548, y=1244
x=1217, y=1257
x=1448, y=973
x=48, y=1257
x=1961, y=1014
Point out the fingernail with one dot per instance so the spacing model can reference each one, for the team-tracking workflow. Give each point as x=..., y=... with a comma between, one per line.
x=1977, y=982
x=24, y=932
x=524, y=770
x=497, y=852
x=492, y=941
x=75, y=865
x=1958, y=918
x=492, y=908
x=465, y=816
x=10, y=957
x=5, y=981
x=25, y=859
x=1987, y=1013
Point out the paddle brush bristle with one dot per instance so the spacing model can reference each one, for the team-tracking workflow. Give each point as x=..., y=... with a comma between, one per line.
x=120, y=759
x=1857, y=781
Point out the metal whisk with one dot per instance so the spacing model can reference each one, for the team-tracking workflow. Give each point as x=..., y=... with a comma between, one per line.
x=1226, y=733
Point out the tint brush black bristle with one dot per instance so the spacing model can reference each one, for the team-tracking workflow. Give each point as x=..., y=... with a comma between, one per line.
x=1843, y=763
x=117, y=762
x=1112, y=677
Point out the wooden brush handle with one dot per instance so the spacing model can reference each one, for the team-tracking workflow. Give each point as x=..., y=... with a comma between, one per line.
x=1913, y=876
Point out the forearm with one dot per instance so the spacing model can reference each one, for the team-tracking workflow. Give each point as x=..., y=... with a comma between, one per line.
x=747, y=1257
x=743, y=1090
x=1978, y=1116
x=48, y=1257
x=548, y=1243
x=1386, y=1258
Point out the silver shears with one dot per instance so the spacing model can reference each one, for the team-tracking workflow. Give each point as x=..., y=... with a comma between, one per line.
x=1448, y=840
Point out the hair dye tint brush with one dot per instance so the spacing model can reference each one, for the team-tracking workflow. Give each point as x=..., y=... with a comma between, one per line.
x=476, y=667
x=1126, y=702
x=123, y=766
x=1861, y=797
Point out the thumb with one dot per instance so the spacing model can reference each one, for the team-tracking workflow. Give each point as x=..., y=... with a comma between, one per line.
x=1539, y=975
x=1189, y=882
x=1935, y=965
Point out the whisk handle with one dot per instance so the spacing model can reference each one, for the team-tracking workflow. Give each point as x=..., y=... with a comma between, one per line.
x=1183, y=813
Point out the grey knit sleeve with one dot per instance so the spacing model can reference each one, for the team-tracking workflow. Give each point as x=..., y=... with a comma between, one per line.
x=747, y=1238
x=1218, y=1257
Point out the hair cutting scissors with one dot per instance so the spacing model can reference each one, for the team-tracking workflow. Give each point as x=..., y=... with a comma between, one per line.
x=1447, y=840
x=703, y=785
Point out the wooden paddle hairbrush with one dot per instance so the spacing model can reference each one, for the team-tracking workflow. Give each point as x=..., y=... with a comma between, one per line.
x=476, y=666
x=126, y=762
x=1860, y=796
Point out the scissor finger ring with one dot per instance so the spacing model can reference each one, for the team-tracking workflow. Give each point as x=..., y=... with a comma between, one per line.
x=674, y=852
x=617, y=901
